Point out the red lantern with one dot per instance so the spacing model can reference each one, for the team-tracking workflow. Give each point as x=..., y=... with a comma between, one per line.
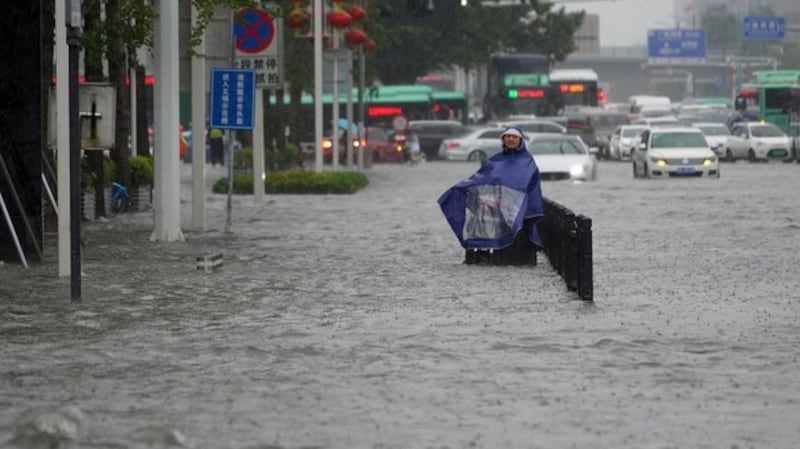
x=339, y=19
x=357, y=12
x=297, y=19
x=355, y=36
x=370, y=45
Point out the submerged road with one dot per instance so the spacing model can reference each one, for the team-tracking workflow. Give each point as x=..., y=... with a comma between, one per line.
x=351, y=322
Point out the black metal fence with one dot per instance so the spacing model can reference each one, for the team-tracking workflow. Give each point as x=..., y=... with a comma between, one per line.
x=567, y=241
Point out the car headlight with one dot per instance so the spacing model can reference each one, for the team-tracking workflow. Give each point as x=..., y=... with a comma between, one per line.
x=578, y=170
x=659, y=162
x=709, y=161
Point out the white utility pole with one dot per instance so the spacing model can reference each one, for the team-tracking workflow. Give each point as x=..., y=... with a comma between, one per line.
x=166, y=194
x=258, y=148
x=62, y=139
x=318, y=85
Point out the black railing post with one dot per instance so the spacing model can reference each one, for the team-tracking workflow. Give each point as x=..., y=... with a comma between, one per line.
x=585, y=270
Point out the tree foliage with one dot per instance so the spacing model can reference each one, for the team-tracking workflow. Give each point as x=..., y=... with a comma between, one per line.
x=466, y=35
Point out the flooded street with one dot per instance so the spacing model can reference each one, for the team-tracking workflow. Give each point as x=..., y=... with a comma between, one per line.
x=350, y=321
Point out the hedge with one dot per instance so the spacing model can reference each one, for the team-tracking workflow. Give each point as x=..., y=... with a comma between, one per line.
x=297, y=181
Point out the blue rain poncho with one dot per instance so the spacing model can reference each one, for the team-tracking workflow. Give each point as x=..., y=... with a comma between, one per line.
x=488, y=209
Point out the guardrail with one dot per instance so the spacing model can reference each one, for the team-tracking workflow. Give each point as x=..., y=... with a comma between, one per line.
x=567, y=241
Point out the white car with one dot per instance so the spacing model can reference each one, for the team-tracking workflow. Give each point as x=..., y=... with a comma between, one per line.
x=476, y=145
x=717, y=135
x=623, y=140
x=757, y=141
x=674, y=152
x=562, y=157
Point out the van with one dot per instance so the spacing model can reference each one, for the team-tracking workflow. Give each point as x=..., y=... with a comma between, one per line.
x=649, y=106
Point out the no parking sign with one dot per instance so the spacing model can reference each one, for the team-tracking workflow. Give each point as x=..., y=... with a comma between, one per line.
x=258, y=45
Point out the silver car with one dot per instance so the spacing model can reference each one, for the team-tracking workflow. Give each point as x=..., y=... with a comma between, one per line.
x=623, y=140
x=717, y=135
x=562, y=157
x=477, y=145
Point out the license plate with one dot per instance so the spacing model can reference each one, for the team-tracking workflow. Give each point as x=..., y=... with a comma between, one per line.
x=778, y=153
x=685, y=170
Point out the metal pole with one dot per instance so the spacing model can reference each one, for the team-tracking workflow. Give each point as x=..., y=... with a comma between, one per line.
x=62, y=114
x=362, y=134
x=349, y=114
x=259, y=175
x=335, y=103
x=199, y=73
x=73, y=41
x=229, y=162
x=317, y=15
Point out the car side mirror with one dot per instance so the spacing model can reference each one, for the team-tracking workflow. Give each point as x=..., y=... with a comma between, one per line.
x=642, y=146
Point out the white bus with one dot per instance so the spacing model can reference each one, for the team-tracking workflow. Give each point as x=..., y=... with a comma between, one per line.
x=574, y=87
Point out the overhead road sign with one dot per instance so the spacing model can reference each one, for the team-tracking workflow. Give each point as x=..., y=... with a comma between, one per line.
x=676, y=46
x=759, y=27
x=232, y=98
x=257, y=46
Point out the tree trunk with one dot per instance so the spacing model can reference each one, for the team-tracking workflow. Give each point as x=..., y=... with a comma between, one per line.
x=142, y=106
x=118, y=72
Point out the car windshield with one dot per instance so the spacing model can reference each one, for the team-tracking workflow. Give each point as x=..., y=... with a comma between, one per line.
x=766, y=131
x=632, y=132
x=678, y=140
x=556, y=146
x=714, y=130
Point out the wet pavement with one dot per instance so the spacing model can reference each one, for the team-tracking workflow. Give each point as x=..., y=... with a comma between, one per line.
x=350, y=322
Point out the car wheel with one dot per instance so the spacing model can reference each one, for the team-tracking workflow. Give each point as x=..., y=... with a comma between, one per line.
x=751, y=155
x=729, y=155
x=476, y=156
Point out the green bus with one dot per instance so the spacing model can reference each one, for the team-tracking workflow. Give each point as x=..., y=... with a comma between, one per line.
x=381, y=105
x=773, y=96
x=384, y=103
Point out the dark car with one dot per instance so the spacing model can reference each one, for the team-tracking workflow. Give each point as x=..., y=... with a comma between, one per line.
x=382, y=146
x=432, y=132
x=595, y=126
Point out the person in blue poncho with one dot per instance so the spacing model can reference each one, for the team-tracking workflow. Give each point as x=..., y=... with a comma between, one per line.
x=493, y=213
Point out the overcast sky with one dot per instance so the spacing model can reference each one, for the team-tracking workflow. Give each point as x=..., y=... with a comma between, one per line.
x=625, y=22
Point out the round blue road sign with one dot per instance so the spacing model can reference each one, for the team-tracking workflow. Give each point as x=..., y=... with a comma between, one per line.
x=254, y=30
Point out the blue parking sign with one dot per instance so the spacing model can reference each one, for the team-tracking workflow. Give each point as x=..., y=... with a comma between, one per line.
x=232, y=98
x=757, y=27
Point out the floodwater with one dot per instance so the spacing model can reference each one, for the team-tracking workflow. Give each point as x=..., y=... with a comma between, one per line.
x=351, y=322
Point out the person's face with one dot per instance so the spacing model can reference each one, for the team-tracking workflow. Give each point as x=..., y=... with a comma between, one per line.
x=511, y=141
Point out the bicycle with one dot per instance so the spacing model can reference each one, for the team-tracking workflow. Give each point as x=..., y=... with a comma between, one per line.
x=120, y=200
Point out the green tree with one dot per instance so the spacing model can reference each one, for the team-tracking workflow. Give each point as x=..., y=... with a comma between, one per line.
x=465, y=35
